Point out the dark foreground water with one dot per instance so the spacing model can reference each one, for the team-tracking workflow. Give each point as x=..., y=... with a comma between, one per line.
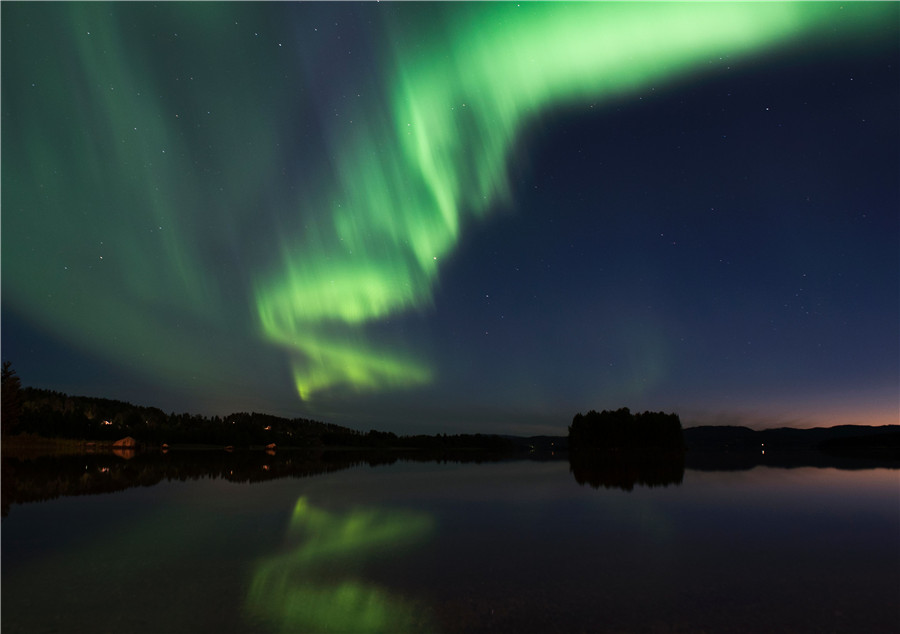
x=515, y=546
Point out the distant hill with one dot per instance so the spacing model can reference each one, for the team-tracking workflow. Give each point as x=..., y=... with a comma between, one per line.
x=835, y=439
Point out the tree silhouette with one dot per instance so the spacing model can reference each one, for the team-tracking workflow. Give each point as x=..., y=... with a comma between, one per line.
x=10, y=399
x=620, y=429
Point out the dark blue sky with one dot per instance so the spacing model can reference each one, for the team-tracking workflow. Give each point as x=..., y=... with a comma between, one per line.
x=723, y=244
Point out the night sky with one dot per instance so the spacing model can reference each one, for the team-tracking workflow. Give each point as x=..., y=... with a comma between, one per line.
x=451, y=217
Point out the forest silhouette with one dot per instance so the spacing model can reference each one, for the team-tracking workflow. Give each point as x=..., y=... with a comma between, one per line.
x=620, y=429
x=618, y=449
x=59, y=445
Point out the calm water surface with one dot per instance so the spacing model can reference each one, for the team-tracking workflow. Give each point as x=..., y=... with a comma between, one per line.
x=449, y=547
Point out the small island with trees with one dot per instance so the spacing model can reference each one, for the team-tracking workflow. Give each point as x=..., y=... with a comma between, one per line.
x=58, y=444
x=618, y=449
x=622, y=430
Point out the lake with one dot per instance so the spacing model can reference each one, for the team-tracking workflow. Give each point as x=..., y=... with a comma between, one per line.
x=442, y=546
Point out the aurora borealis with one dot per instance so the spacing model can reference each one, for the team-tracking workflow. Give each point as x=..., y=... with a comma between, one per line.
x=315, y=586
x=453, y=216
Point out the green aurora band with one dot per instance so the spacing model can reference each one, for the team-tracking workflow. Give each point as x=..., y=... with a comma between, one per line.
x=297, y=590
x=407, y=187
x=143, y=211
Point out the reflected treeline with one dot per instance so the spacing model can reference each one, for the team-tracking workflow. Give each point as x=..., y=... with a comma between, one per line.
x=48, y=477
x=627, y=469
x=706, y=460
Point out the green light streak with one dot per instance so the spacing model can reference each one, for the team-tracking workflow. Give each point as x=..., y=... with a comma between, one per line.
x=106, y=230
x=296, y=591
x=407, y=187
x=143, y=218
x=116, y=228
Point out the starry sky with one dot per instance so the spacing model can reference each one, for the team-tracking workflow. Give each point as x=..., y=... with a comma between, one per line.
x=456, y=217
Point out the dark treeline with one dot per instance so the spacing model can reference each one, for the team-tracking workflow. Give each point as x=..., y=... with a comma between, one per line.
x=54, y=414
x=438, y=442
x=622, y=430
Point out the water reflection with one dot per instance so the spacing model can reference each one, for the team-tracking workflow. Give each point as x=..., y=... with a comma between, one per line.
x=49, y=477
x=625, y=469
x=36, y=479
x=315, y=586
x=506, y=547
